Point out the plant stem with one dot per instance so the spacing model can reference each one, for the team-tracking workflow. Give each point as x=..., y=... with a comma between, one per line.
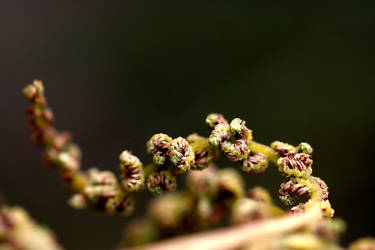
x=232, y=238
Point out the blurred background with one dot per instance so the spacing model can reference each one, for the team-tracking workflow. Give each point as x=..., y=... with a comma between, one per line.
x=117, y=72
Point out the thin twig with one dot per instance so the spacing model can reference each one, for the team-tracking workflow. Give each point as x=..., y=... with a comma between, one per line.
x=235, y=237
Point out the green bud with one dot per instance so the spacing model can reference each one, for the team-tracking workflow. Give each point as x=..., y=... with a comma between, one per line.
x=121, y=204
x=158, y=146
x=235, y=151
x=162, y=181
x=97, y=177
x=304, y=147
x=132, y=173
x=181, y=155
x=237, y=125
x=255, y=163
x=213, y=119
x=298, y=165
x=220, y=133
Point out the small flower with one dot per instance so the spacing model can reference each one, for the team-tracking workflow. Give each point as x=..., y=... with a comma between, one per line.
x=240, y=131
x=181, y=155
x=158, y=146
x=304, y=147
x=221, y=132
x=237, y=125
x=235, y=151
x=255, y=163
x=132, y=173
x=162, y=181
x=213, y=119
x=298, y=165
x=121, y=204
x=291, y=189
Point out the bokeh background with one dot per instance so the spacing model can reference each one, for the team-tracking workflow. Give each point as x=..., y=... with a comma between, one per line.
x=117, y=72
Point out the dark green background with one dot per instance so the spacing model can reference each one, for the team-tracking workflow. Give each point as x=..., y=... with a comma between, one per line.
x=116, y=73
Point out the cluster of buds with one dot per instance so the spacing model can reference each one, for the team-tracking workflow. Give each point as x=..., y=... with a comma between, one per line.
x=97, y=189
x=295, y=164
x=161, y=181
x=176, y=152
x=102, y=191
x=20, y=232
x=210, y=197
x=132, y=174
x=235, y=140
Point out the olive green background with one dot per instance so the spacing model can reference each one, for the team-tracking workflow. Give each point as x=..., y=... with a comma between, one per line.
x=116, y=72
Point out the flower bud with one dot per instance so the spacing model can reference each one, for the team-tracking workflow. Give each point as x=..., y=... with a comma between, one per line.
x=132, y=173
x=181, y=155
x=158, y=146
x=298, y=165
x=235, y=151
x=304, y=147
x=160, y=182
x=255, y=163
x=213, y=119
x=221, y=132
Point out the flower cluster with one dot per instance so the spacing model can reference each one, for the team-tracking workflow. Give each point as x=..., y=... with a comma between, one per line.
x=170, y=156
x=295, y=164
x=211, y=196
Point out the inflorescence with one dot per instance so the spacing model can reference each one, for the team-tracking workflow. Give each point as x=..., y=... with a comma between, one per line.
x=210, y=194
x=171, y=156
